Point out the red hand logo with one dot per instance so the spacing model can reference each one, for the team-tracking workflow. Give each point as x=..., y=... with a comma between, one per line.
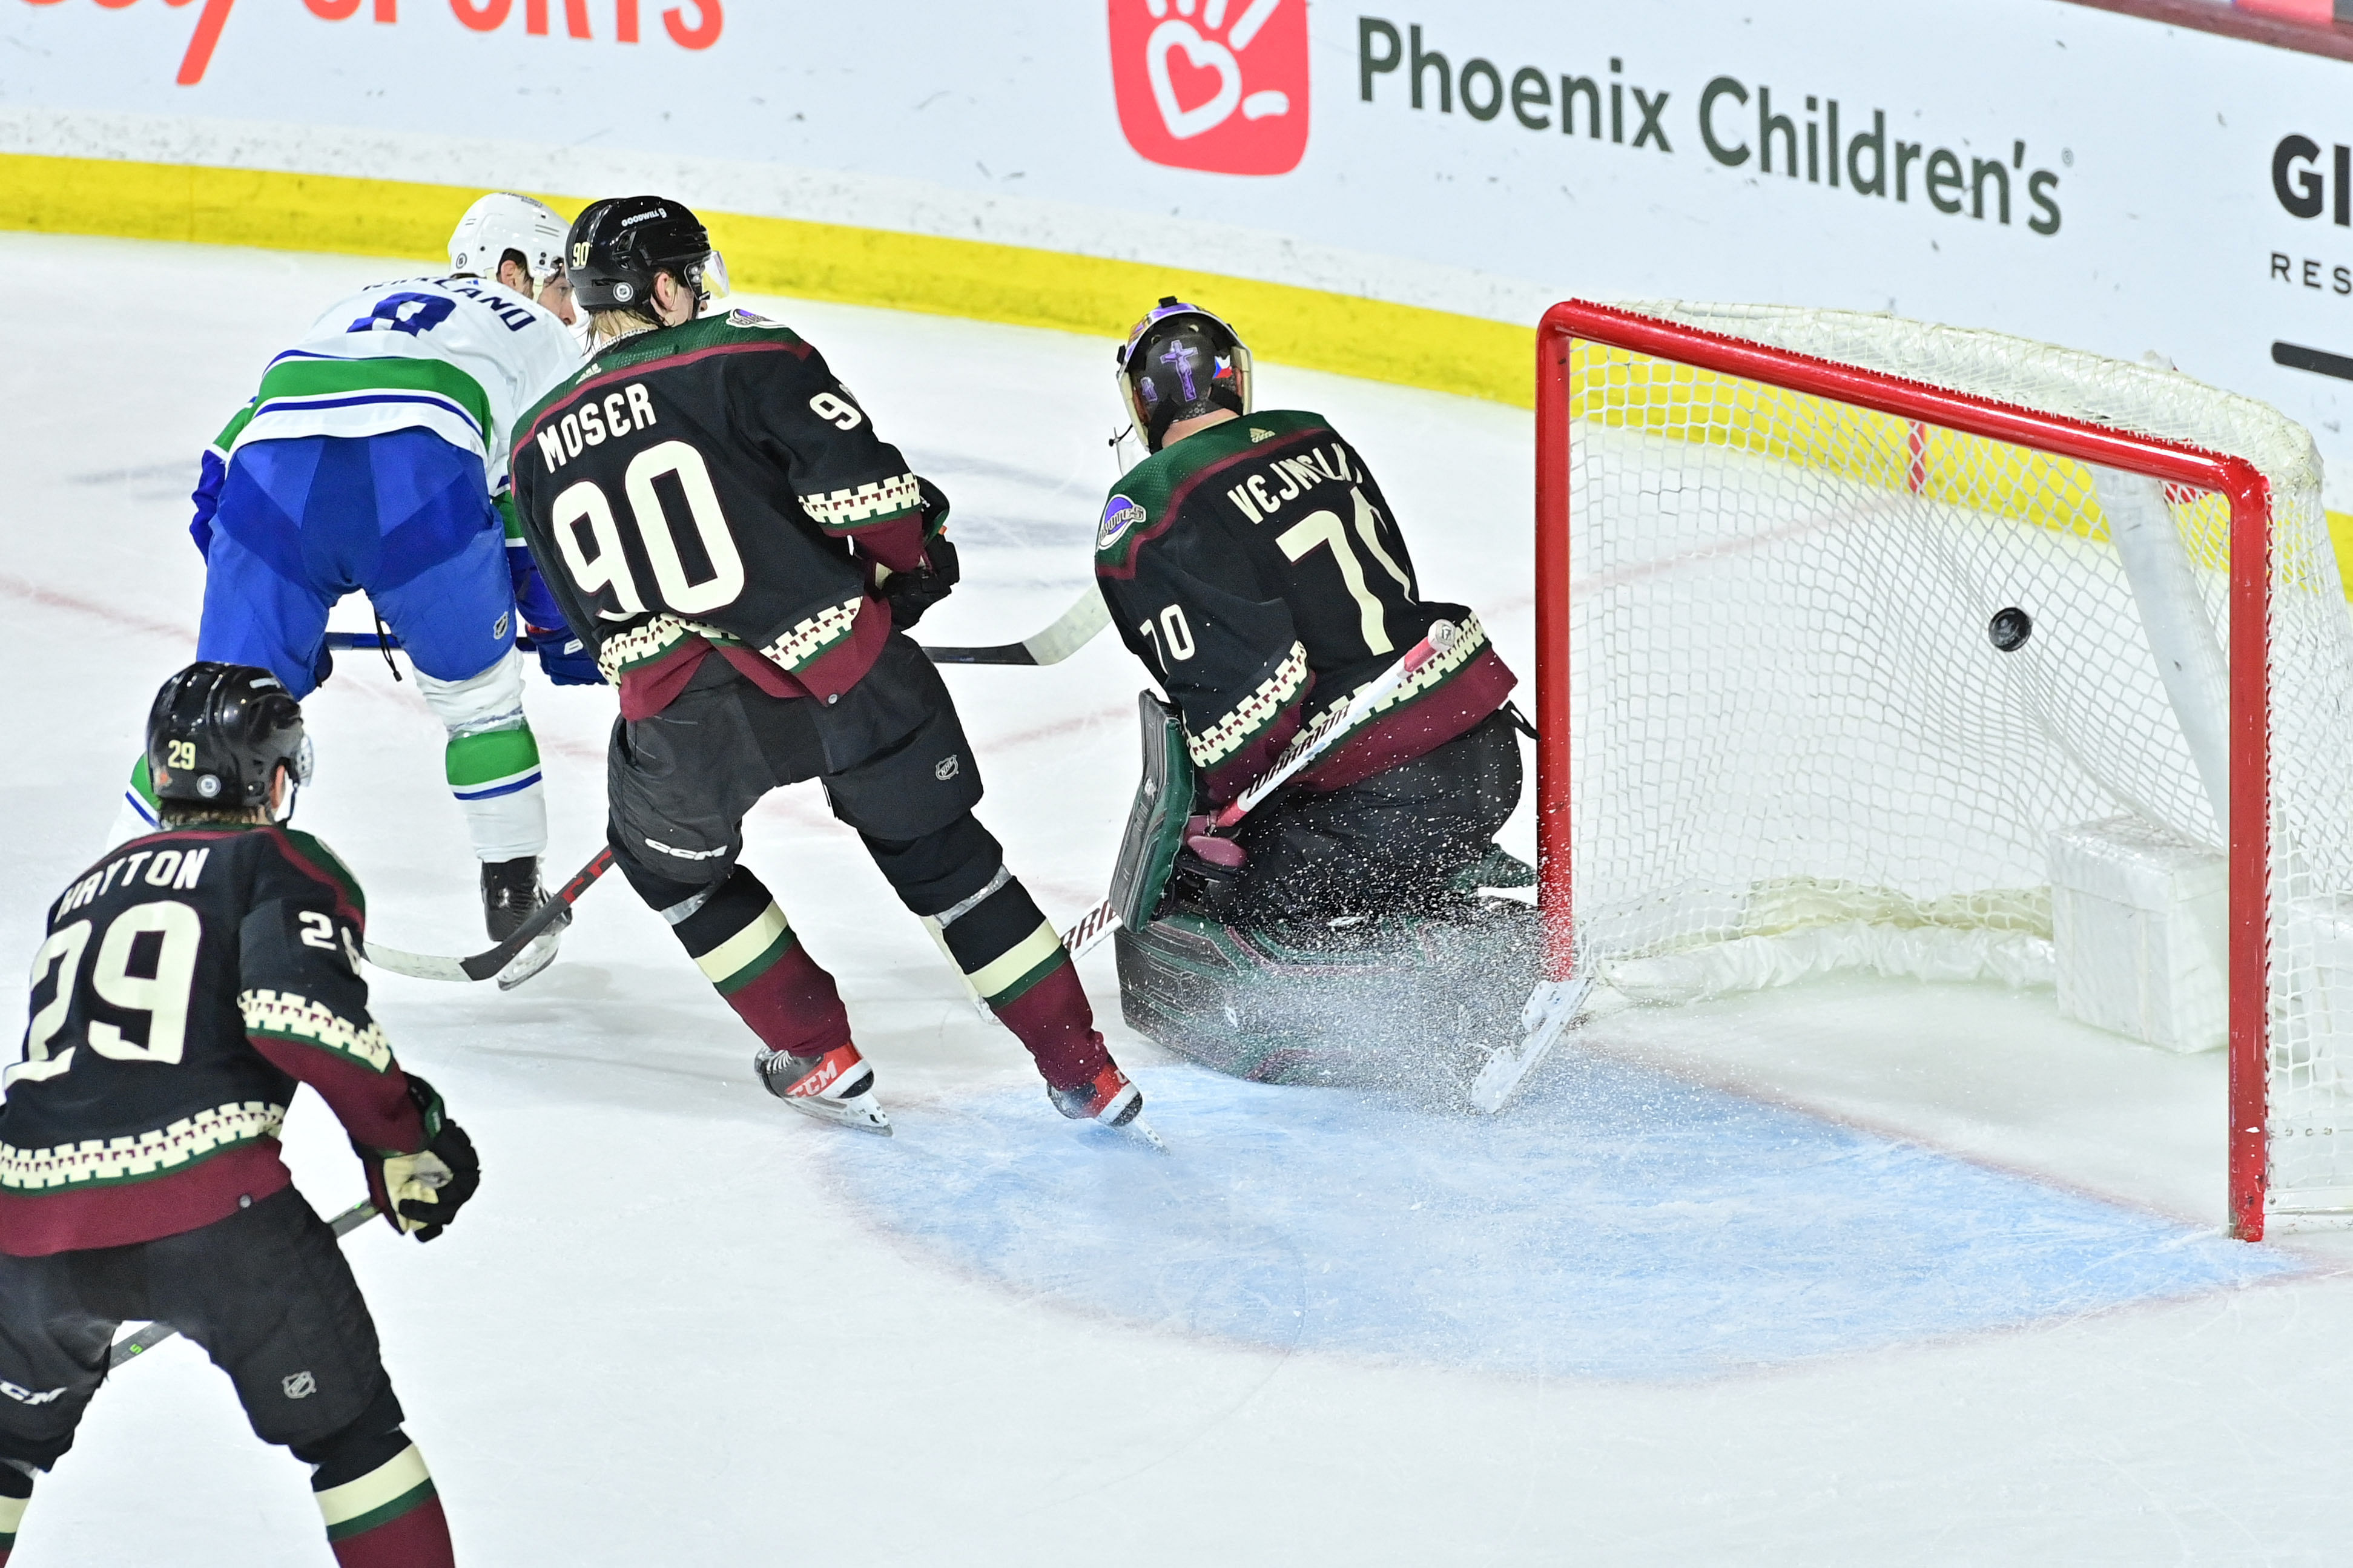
x=1214, y=85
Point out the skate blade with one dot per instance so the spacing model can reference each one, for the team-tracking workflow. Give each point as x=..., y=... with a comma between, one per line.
x=1552, y=1009
x=1140, y=1130
x=862, y=1112
x=531, y=959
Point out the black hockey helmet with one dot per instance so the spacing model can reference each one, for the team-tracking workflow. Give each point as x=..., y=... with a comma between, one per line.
x=219, y=733
x=616, y=246
x=1180, y=363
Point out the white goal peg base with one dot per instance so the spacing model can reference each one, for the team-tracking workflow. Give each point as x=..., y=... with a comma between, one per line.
x=2137, y=920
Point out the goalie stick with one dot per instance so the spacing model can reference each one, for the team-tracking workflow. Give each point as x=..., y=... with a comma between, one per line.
x=1071, y=631
x=1306, y=747
x=154, y=1334
x=483, y=965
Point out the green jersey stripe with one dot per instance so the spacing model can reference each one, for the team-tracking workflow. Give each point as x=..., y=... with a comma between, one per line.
x=312, y=378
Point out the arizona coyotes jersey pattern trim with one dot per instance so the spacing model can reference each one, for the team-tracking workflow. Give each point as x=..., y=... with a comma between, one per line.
x=700, y=487
x=1254, y=715
x=101, y=1162
x=283, y=1016
x=1255, y=568
x=188, y=982
x=657, y=639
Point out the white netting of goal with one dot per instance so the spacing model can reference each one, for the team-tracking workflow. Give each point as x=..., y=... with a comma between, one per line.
x=1797, y=748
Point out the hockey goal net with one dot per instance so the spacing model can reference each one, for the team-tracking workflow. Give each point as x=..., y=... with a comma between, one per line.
x=1853, y=629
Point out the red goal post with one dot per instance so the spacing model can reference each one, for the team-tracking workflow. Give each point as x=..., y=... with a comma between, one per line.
x=2173, y=462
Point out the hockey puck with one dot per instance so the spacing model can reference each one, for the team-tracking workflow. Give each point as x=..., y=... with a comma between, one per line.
x=2010, y=628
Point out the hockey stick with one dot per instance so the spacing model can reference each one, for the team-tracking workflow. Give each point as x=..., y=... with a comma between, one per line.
x=1070, y=632
x=1309, y=745
x=385, y=642
x=483, y=965
x=154, y=1334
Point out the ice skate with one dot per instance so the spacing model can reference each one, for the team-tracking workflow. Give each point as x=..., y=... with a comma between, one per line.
x=1108, y=1098
x=837, y=1087
x=511, y=891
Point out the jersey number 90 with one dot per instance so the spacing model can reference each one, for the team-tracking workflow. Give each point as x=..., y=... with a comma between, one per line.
x=608, y=567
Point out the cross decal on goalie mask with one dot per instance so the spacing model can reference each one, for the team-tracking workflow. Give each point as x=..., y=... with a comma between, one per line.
x=1181, y=357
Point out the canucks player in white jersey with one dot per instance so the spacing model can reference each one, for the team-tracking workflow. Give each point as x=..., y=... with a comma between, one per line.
x=373, y=458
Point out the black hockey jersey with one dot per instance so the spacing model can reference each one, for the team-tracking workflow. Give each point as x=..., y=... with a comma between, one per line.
x=1255, y=568
x=700, y=487
x=187, y=982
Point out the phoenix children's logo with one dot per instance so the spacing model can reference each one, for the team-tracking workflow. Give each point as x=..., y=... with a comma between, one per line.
x=1214, y=85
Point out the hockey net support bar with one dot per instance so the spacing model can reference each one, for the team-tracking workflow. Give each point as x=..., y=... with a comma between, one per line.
x=2238, y=481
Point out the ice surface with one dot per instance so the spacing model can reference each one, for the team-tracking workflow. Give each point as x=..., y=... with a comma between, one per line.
x=681, y=1325
x=1616, y=1224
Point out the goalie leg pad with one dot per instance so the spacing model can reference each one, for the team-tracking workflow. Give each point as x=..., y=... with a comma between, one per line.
x=1388, y=844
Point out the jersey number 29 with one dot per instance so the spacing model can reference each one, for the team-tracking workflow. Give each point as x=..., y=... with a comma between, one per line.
x=586, y=504
x=162, y=996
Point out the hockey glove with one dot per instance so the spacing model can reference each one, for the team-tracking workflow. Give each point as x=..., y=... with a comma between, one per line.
x=911, y=593
x=935, y=508
x=565, y=659
x=420, y=1193
x=1208, y=870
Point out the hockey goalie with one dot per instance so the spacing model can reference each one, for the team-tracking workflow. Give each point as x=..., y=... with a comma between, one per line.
x=1335, y=933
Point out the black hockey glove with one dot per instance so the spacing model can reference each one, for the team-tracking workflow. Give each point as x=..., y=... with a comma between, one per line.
x=420, y=1193
x=910, y=594
x=935, y=507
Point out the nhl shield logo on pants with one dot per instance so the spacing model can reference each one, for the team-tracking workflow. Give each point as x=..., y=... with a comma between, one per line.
x=301, y=1386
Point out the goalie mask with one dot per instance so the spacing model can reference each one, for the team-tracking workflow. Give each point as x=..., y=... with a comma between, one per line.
x=1180, y=363
x=219, y=733
x=503, y=223
x=618, y=244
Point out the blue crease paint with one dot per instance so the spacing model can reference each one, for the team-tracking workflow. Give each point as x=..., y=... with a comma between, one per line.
x=1617, y=1224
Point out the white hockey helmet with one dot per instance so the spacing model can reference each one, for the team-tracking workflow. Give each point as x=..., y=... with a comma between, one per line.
x=501, y=222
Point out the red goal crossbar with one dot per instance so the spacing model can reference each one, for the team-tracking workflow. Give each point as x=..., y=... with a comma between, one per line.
x=2248, y=492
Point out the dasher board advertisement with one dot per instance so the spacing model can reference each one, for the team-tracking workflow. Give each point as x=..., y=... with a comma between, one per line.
x=2094, y=179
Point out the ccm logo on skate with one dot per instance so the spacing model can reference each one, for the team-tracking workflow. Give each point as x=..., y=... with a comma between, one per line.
x=26, y=1396
x=826, y=1072
x=301, y=1386
x=1219, y=86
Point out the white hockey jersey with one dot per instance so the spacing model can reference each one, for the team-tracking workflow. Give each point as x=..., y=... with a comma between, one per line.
x=461, y=356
